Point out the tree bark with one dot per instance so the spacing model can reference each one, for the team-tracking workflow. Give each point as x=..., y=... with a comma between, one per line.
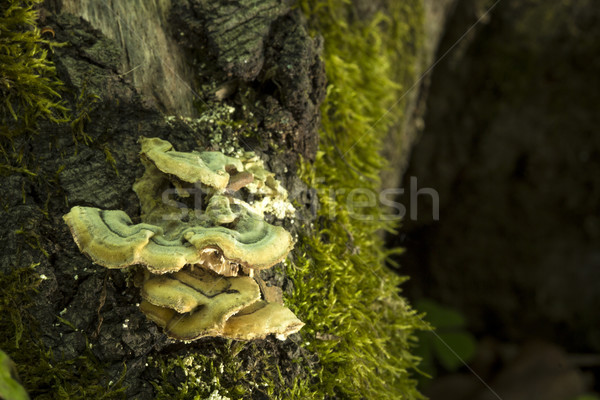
x=168, y=69
x=156, y=69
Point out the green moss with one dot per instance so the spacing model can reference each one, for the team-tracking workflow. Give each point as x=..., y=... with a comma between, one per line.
x=204, y=374
x=30, y=88
x=28, y=83
x=43, y=375
x=356, y=321
x=84, y=105
x=236, y=370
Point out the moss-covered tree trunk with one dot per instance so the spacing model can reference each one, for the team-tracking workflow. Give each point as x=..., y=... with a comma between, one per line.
x=216, y=75
x=209, y=75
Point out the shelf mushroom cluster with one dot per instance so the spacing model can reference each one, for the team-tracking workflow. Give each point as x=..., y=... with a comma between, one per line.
x=201, y=249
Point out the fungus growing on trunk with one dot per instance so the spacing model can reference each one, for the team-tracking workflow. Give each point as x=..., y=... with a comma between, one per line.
x=195, y=302
x=209, y=167
x=200, y=261
x=110, y=239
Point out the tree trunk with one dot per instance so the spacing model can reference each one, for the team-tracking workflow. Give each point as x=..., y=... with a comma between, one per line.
x=214, y=75
x=130, y=70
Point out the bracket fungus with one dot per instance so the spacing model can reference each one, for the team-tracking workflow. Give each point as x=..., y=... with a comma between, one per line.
x=208, y=167
x=195, y=302
x=110, y=239
x=200, y=262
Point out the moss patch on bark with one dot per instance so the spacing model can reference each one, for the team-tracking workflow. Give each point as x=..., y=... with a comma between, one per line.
x=357, y=322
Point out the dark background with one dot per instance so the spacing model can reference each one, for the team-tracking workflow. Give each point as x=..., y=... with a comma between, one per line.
x=511, y=144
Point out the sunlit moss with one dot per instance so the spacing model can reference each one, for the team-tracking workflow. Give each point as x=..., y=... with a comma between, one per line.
x=28, y=83
x=356, y=321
